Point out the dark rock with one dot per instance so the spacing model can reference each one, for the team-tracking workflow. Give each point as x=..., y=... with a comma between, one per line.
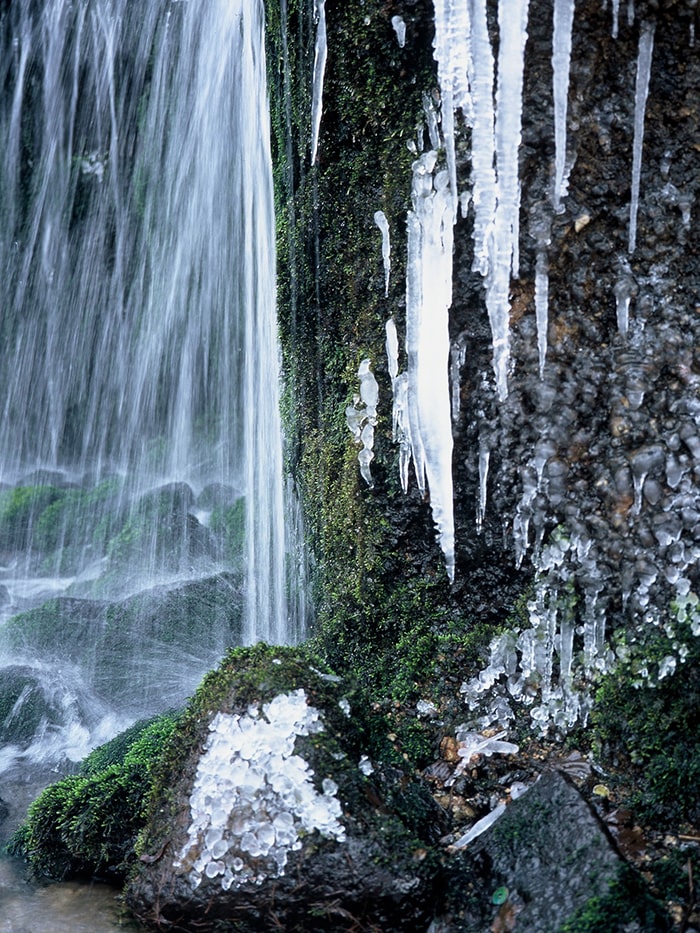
x=548, y=850
x=217, y=495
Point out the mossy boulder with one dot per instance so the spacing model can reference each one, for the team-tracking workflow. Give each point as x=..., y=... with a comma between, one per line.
x=20, y=508
x=272, y=810
x=26, y=706
x=546, y=865
x=160, y=533
x=86, y=824
x=145, y=652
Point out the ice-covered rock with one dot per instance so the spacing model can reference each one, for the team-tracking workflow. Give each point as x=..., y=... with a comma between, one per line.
x=272, y=808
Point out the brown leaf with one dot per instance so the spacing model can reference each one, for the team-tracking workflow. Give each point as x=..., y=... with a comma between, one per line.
x=505, y=919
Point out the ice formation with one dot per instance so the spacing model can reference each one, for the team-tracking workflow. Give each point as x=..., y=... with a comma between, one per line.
x=466, y=72
x=480, y=826
x=383, y=224
x=361, y=418
x=320, y=55
x=563, y=642
x=253, y=798
x=483, y=138
x=615, y=18
x=399, y=27
x=484, y=458
x=428, y=300
x=452, y=51
x=641, y=92
x=504, y=257
x=561, y=64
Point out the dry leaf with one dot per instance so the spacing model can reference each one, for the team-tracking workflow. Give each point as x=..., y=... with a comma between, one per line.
x=506, y=918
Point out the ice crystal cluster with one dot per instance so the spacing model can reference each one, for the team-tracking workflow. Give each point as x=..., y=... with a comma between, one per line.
x=253, y=798
x=361, y=418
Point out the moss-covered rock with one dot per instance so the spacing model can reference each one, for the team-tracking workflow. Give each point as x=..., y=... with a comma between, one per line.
x=646, y=724
x=20, y=510
x=26, y=706
x=142, y=653
x=269, y=811
x=86, y=824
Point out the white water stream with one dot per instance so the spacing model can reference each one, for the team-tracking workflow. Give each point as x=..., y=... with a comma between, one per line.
x=137, y=255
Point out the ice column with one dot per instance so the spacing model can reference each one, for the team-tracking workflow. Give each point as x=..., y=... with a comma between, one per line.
x=428, y=299
x=641, y=92
x=561, y=65
x=483, y=138
x=512, y=21
x=383, y=224
x=320, y=56
x=452, y=46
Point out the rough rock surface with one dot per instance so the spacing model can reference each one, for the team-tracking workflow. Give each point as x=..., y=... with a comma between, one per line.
x=272, y=818
x=550, y=854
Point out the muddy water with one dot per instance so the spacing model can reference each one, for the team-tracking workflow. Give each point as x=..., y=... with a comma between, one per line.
x=69, y=907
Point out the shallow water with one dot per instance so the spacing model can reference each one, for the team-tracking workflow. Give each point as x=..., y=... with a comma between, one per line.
x=68, y=907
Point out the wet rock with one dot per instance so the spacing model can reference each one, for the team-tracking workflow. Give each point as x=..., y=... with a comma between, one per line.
x=548, y=852
x=272, y=814
x=216, y=495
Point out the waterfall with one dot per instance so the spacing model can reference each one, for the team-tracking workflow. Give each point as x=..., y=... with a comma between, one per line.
x=139, y=379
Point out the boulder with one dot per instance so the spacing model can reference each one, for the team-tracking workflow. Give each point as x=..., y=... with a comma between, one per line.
x=271, y=813
x=540, y=863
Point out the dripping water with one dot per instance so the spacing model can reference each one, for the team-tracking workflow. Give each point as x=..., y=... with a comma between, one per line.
x=139, y=378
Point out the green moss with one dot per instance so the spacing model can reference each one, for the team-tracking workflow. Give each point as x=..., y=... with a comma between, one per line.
x=230, y=523
x=86, y=824
x=20, y=509
x=25, y=707
x=650, y=728
x=628, y=902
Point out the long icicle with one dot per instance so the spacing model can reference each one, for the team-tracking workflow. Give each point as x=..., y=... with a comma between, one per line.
x=641, y=92
x=561, y=66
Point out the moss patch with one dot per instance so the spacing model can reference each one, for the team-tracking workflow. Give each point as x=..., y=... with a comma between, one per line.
x=650, y=728
x=86, y=824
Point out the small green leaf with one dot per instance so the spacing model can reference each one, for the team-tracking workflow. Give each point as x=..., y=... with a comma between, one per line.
x=500, y=895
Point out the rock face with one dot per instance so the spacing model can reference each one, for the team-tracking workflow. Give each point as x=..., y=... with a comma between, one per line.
x=271, y=816
x=576, y=461
x=547, y=855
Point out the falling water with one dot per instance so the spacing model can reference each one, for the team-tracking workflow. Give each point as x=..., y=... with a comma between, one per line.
x=139, y=373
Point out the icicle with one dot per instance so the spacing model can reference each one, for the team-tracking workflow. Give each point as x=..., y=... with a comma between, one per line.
x=392, y=348
x=320, y=56
x=561, y=64
x=630, y=12
x=484, y=457
x=381, y=221
x=542, y=303
x=483, y=137
x=512, y=20
x=452, y=45
x=399, y=27
x=428, y=299
x=361, y=421
x=646, y=48
x=458, y=355
x=401, y=428
x=615, y=17
x=431, y=118
x=623, y=290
